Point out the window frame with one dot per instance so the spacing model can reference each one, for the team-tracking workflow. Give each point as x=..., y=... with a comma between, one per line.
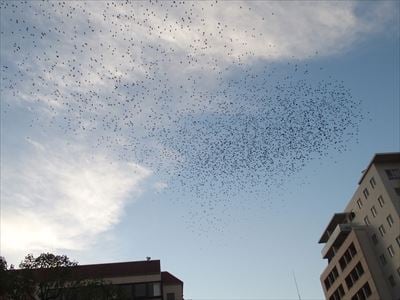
x=374, y=212
x=372, y=182
x=382, y=230
x=390, y=250
x=359, y=203
x=390, y=220
x=381, y=201
x=366, y=193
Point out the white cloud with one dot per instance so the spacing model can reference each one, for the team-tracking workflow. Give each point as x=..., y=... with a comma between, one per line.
x=160, y=185
x=100, y=45
x=63, y=198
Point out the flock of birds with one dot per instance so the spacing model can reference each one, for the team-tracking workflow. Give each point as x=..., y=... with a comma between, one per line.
x=163, y=85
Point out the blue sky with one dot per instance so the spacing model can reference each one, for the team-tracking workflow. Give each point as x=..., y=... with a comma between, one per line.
x=217, y=137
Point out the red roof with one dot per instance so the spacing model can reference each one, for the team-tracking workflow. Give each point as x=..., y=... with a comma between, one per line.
x=169, y=279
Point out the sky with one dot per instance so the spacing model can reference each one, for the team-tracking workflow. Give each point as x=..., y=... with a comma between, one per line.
x=218, y=137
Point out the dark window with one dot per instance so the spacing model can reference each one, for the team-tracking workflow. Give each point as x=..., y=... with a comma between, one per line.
x=362, y=293
x=389, y=220
x=330, y=279
x=352, y=250
x=170, y=296
x=393, y=173
x=125, y=291
x=359, y=203
x=354, y=275
x=337, y=294
x=366, y=193
x=347, y=256
x=373, y=211
x=382, y=230
x=140, y=290
x=390, y=250
x=372, y=182
x=381, y=201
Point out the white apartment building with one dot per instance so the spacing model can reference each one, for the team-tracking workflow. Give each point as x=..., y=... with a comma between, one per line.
x=362, y=244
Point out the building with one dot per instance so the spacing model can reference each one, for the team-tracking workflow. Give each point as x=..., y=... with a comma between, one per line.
x=141, y=280
x=362, y=244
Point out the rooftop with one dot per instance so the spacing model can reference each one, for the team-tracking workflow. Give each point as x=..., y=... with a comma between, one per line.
x=381, y=158
x=108, y=270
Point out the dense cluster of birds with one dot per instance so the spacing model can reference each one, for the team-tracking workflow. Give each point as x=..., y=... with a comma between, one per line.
x=165, y=85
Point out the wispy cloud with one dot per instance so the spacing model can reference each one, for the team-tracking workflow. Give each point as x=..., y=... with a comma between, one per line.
x=58, y=198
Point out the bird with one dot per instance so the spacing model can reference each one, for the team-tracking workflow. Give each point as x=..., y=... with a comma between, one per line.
x=167, y=86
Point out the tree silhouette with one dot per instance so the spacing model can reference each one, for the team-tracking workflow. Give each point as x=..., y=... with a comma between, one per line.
x=50, y=277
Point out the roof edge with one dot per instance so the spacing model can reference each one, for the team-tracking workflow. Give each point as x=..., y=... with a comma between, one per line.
x=380, y=157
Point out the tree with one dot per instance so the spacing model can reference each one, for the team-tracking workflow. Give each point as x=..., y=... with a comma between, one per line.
x=50, y=277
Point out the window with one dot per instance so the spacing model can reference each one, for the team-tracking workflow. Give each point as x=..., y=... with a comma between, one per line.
x=347, y=256
x=154, y=289
x=398, y=241
x=390, y=250
x=373, y=211
x=170, y=296
x=381, y=201
x=337, y=294
x=362, y=293
x=389, y=219
x=354, y=275
x=359, y=203
x=145, y=290
x=372, y=182
x=391, y=281
x=393, y=173
x=374, y=239
x=366, y=193
x=140, y=290
x=382, y=230
x=124, y=291
x=382, y=259
x=366, y=221
x=330, y=279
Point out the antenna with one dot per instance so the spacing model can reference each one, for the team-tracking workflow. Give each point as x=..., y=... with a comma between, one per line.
x=297, y=287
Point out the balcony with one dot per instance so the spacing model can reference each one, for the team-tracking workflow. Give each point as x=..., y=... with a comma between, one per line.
x=338, y=218
x=335, y=240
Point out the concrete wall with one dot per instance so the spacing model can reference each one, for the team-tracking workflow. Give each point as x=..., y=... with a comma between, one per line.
x=384, y=188
x=176, y=289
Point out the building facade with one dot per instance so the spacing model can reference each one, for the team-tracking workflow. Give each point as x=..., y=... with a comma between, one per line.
x=362, y=244
x=136, y=280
